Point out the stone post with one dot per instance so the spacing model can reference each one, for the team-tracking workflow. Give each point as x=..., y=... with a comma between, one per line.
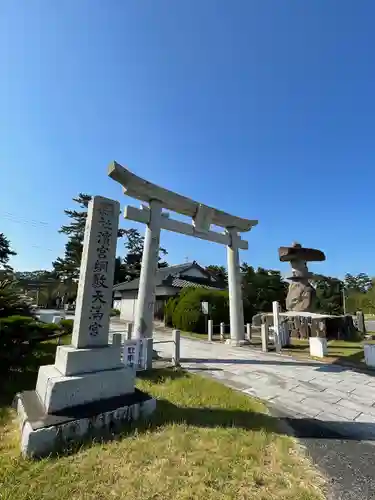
x=210, y=329
x=361, y=326
x=276, y=324
x=264, y=335
x=222, y=331
x=129, y=331
x=248, y=331
x=144, y=316
x=176, y=348
x=237, y=327
x=117, y=339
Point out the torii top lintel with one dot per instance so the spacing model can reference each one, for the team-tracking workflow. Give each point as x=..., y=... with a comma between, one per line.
x=139, y=188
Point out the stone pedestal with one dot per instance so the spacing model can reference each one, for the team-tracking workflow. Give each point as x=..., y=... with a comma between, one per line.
x=88, y=391
x=318, y=347
x=369, y=351
x=236, y=343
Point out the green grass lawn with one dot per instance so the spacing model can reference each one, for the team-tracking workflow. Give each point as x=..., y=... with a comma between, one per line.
x=205, y=441
x=339, y=351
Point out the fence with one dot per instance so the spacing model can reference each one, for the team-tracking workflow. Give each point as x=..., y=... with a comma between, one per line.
x=223, y=328
x=137, y=353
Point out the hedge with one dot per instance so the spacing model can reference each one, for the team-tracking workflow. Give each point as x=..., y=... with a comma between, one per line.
x=187, y=314
x=169, y=310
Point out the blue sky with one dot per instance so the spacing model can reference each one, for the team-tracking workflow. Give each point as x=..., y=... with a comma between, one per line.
x=262, y=108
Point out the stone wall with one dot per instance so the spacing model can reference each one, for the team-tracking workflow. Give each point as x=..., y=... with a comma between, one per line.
x=335, y=327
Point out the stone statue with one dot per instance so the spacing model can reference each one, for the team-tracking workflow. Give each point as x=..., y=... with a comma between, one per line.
x=301, y=294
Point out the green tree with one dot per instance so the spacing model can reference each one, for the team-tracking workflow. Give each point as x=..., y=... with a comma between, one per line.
x=359, y=283
x=67, y=267
x=12, y=302
x=358, y=301
x=329, y=295
x=37, y=275
x=5, y=252
x=260, y=288
x=219, y=272
x=133, y=258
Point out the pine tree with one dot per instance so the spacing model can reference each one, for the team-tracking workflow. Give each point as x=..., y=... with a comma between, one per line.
x=67, y=268
x=5, y=252
x=133, y=258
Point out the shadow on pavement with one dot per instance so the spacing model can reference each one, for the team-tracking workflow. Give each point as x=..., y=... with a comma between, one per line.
x=320, y=366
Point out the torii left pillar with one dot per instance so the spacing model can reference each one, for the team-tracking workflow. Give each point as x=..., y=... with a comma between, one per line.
x=144, y=315
x=237, y=325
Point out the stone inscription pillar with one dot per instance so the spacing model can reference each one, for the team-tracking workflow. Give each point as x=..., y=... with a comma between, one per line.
x=94, y=298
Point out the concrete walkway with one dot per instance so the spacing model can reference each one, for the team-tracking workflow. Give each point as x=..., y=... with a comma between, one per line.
x=336, y=396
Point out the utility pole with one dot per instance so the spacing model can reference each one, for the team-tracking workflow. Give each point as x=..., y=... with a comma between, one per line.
x=344, y=300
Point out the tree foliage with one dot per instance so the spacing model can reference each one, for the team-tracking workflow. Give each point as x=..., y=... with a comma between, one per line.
x=260, y=288
x=67, y=267
x=132, y=261
x=329, y=295
x=359, y=283
x=11, y=300
x=219, y=272
x=39, y=275
x=360, y=293
x=5, y=252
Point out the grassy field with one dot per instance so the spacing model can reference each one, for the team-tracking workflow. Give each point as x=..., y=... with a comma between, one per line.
x=205, y=441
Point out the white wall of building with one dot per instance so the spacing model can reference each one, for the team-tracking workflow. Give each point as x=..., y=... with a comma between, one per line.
x=126, y=301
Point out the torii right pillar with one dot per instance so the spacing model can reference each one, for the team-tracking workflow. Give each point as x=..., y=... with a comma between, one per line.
x=237, y=324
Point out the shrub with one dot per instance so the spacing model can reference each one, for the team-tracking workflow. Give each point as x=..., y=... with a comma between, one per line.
x=188, y=315
x=18, y=337
x=67, y=326
x=169, y=309
x=115, y=312
x=45, y=330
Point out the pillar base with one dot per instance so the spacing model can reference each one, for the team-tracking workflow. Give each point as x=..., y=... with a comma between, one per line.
x=237, y=343
x=43, y=433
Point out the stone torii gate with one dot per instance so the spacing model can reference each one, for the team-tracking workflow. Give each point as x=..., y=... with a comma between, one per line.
x=202, y=218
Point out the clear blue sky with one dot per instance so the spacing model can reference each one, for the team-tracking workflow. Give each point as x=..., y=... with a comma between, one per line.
x=262, y=108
